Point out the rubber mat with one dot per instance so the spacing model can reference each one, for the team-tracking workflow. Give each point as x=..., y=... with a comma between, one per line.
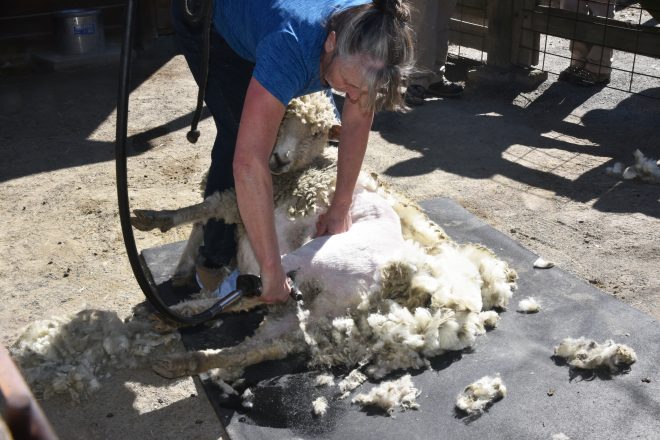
x=544, y=397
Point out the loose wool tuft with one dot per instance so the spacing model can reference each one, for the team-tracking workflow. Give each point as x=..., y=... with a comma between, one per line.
x=489, y=319
x=72, y=354
x=560, y=436
x=389, y=395
x=477, y=396
x=589, y=355
x=529, y=305
x=324, y=380
x=353, y=380
x=247, y=399
x=320, y=406
x=644, y=168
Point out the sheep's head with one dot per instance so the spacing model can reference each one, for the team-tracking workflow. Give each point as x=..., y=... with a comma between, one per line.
x=303, y=133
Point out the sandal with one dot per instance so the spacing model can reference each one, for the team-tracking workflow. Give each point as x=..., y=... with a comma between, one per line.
x=446, y=89
x=415, y=95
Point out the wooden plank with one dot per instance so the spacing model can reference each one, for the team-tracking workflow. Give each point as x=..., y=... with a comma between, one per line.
x=476, y=4
x=643, y=40
x=467, y=34
x=470, y=15
x=21, y=412
x=468, y=28
x=499, y=33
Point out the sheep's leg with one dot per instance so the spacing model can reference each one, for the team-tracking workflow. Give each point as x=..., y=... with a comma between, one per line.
x=219, y=205
x=195, y=306
x=271, y=342
x=185, y=269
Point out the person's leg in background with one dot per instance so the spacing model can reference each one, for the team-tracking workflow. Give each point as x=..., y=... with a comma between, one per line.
x=579, y=50
x=599, y=58
x=590, y=64
x=423, y=22
x=228, y=79
x=442, y=87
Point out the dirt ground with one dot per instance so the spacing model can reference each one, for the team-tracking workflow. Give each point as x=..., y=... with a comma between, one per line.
x=531, y=164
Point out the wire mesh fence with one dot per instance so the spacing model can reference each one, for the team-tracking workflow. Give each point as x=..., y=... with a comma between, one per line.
x=616, y=42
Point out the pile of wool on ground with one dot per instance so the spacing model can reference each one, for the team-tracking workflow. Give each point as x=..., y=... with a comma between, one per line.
x=70, y=355
x=589, y=355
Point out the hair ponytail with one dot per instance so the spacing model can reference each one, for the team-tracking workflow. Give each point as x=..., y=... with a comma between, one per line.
x=396, y=8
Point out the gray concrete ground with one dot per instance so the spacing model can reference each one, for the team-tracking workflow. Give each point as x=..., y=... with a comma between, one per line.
x=529, y=163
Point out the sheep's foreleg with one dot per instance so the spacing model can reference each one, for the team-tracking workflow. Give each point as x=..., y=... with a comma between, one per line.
x=219, y=205
x=243, y=355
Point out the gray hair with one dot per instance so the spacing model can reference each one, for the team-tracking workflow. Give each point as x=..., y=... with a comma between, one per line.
x=380, y=34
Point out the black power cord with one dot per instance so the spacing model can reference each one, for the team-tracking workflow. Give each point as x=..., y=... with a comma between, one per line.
x=196, y=12
x=142, y=276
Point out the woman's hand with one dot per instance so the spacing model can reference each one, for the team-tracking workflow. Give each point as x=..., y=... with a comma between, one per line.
x=275, y=285
x=334, y=221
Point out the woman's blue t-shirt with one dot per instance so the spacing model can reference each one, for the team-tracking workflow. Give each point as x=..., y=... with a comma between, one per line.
x=284, y=38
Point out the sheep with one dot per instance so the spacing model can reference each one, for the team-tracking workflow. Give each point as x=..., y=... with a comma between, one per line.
x=387, y=295
x=302, y=136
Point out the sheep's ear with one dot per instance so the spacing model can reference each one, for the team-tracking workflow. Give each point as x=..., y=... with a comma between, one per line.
x=330, y=42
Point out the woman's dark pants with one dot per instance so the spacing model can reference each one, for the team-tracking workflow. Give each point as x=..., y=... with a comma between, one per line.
x=228, y=79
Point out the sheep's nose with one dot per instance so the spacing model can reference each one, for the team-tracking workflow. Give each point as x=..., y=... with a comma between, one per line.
x=279, y=160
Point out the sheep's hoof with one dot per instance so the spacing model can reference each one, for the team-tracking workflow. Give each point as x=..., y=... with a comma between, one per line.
x=146, y=220
x=184, y=276
x=176, y=366
x=160, y=326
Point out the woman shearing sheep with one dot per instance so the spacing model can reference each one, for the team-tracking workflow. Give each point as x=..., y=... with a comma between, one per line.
x=263, y=53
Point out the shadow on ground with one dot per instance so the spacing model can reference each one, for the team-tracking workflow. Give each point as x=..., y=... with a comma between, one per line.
x=484, y=134
x=47, y=119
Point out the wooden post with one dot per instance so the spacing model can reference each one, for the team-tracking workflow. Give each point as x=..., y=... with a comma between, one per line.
x=499, y=40
x=525, y=43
